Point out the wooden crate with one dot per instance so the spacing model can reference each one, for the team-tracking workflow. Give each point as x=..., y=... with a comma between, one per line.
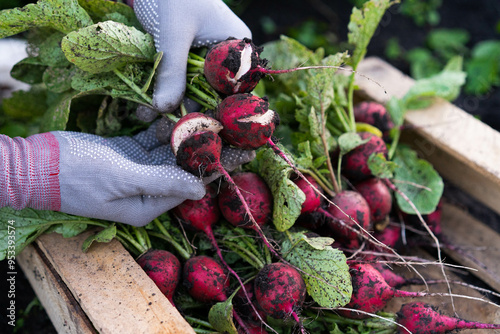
x=105, y=291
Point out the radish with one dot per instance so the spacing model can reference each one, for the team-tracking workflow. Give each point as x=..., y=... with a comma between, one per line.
x=256, y=194
x=234, y=66
x=355, y=162
x=378, y=197
x=349, y=206
x=374, y=114
x=164, y=268
x=207, y=282
x=421, y=318
x=389, y=236
x=205, y=279
x=202, y=215
x=371, y=292
x=247, y=121
x=280, y=290
x=313, y=198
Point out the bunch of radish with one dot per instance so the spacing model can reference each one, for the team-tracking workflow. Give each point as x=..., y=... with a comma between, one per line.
x=358, y=214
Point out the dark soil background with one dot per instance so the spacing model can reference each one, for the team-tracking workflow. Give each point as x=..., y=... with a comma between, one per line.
x=479, y=17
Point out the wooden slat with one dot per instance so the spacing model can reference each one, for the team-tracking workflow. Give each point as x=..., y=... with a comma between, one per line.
x=462, y=149
x=63, y=310
x=111, y=288
x=475, y=239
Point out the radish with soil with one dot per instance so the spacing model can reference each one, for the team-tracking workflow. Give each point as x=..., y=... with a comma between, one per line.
x=378, y=197
x=421, y=318
x=206, y=281
x=355, y=163
x=280, y=290
x=375, y=114
x=164, y=268
x=234, y=66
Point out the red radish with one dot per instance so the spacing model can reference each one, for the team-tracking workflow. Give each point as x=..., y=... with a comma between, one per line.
x=355, y=162
x=371, y=293
x=164, y=268
x=349, y=205
x=200, y=153
x=202, y=215
x=313, y=198
x=256, y=194
x=207, y=282
x=378, y=196
x=228, y=66
x=280, y=290
x=374, y=114
x=190, y=124
x=421, y=318
x=247, y=121
x=389, y=236
x=234, y=66
x=433, y=220
x=205, y=279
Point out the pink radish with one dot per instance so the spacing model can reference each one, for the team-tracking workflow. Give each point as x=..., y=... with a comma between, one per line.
x=280, y=290
x=349, y=206
x=375, y=114
x=355, y=162
x=389, y=236
x=202, y=215
x=421, y=318
x=313, y=198
x=164, y=268
x=205, y=279
x=247, y=121
x=371, y=292
x=256, y=194
x=378, y=196
x=234, y=66
x=207, y=282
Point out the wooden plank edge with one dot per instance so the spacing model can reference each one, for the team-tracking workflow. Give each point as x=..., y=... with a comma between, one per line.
x=62, y=308
x=112, y=289
x=463, y=149
x=478, y=244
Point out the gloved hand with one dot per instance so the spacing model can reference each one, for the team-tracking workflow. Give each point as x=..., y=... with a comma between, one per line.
x=124, y=179
x=176, y=27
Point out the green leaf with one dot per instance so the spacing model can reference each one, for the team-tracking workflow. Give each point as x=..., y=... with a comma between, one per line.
x=220, y=317
x=446, y=85
x=26, y=104
x=62, y=15
x=326, y=275
x=58, y=79
x=29, y=70
x=107, y=46
x=349, y=141
x=288, y=198
x=418, y=180
x=448, y=42
x=381, y=167
x=104, y=10
x=57, y=115
x=362, y=26
x=29, y=224
x=50, y=51
x=105, y=235
x=397, y=111
x=69, y=230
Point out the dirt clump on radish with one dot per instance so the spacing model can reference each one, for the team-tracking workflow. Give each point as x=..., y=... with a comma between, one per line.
x=164, y=268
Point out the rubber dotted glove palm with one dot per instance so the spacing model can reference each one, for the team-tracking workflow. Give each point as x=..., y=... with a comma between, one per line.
x=176, y=27
x=130, y=180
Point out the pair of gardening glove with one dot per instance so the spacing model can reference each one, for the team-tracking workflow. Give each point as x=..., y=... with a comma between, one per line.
x=124, y=179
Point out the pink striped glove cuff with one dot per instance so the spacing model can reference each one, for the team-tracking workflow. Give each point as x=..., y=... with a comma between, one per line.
x=29, y=172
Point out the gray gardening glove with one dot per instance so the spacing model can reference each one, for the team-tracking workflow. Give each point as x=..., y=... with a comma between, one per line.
x=130, y=180
x=176, y=27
